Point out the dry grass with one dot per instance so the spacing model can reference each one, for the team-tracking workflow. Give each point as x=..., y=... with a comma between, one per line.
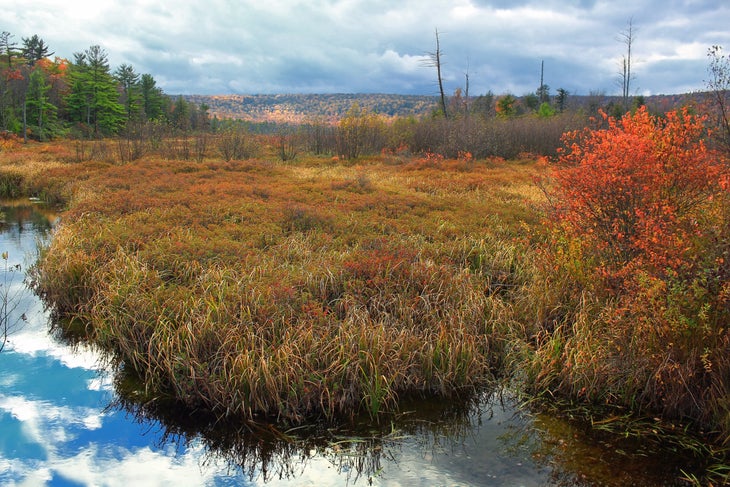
x=323, y=288
x=294, y=291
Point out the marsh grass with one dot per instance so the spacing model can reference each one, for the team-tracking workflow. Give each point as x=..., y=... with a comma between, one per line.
x=256, y=289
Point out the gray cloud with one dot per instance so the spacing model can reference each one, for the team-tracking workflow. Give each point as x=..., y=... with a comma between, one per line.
x=290, y=46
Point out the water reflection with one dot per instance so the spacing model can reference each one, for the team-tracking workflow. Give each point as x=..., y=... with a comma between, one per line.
x=404, y=448
x=66, y=420
x=54, y=425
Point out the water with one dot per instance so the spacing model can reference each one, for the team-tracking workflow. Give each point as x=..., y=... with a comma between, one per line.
x=63, y=423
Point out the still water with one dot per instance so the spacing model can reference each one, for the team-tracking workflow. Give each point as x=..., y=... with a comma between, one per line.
x=63, y=423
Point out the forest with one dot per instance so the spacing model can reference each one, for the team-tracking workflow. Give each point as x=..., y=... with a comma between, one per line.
x=43, y=98
x=316, y=270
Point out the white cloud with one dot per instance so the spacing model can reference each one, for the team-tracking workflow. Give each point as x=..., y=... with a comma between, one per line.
x=297, y=46
x=352, y=45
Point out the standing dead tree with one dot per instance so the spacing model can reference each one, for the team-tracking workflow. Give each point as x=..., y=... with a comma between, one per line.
x=627, y=37
x=434, y=60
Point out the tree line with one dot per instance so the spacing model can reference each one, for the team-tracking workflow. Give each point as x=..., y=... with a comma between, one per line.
x=43, y=98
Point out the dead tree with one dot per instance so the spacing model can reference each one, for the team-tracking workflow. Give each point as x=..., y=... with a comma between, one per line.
x=435, y=61
x=627, y=37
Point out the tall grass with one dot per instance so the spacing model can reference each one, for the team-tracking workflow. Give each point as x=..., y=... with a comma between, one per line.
x=251, y=289
x=315, y=289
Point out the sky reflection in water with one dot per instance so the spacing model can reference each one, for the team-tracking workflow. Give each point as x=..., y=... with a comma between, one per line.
x=57, y=427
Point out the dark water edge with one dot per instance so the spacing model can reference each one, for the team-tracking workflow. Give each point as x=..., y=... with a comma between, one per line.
x=68, y=418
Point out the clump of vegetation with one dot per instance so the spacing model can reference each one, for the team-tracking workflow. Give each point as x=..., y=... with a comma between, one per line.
x=251, y=289
x=309, y=288
x=633, y=299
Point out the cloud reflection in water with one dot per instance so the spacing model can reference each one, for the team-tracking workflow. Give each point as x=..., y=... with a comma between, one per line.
x=57, y=428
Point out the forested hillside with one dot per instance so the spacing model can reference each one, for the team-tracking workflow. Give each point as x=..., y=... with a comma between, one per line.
x=297, y=108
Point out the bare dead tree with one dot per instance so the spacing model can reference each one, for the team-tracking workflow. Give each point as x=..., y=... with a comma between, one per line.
x=466, y=88
x=435, y=61
x=627, y=38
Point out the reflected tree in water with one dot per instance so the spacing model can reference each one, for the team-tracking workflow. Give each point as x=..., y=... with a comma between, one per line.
x=10, y=298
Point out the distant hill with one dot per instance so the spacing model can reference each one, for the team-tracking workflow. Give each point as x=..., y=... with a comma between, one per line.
x=298, y=108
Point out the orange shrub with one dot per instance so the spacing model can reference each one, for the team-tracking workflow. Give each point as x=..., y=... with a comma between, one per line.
x=635, y=193
x=640, y=221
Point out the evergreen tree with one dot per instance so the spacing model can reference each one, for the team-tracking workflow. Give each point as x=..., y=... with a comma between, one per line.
x=40, y=113
x=8, y=77
x=506, y=106
x=10, y=114
x=181, y=114
x=34, y=49
x=545, y=110
x=532, y=102
x=153, y=100
x=483, y=104
x=131, y=98
x=93, y=99
x=8, y=48
x=561, y=98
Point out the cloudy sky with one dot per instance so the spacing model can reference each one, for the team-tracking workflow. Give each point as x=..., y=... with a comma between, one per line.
x=382, y=46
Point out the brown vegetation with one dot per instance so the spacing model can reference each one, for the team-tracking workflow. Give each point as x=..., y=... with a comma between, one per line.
x=297, y=290
x=255, y=285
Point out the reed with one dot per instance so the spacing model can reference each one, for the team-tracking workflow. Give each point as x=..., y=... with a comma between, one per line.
x=254, y=289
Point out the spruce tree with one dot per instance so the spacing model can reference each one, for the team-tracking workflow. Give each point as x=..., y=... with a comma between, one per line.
x=40, y=112
x=93, y=99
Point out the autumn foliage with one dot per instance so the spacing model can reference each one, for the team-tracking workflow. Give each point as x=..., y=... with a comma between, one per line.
x=637, y=193
x=639, y=219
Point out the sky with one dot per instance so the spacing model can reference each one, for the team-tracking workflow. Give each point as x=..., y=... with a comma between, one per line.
x=382, y=46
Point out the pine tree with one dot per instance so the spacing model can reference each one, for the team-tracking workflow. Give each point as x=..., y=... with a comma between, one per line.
x=131, y=98
x=35, y=49
x=152, y=97
x=40, y=112
x=94, y=99
x=8, y=48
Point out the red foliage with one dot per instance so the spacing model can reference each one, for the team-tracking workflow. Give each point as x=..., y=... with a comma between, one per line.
x=636, y=192
x=13, y=74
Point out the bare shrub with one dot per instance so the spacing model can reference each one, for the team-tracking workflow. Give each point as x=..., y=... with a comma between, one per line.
x=490, y=137
x=132, y=143
x=319, y=136
x=200, y=146
x=236, y=143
